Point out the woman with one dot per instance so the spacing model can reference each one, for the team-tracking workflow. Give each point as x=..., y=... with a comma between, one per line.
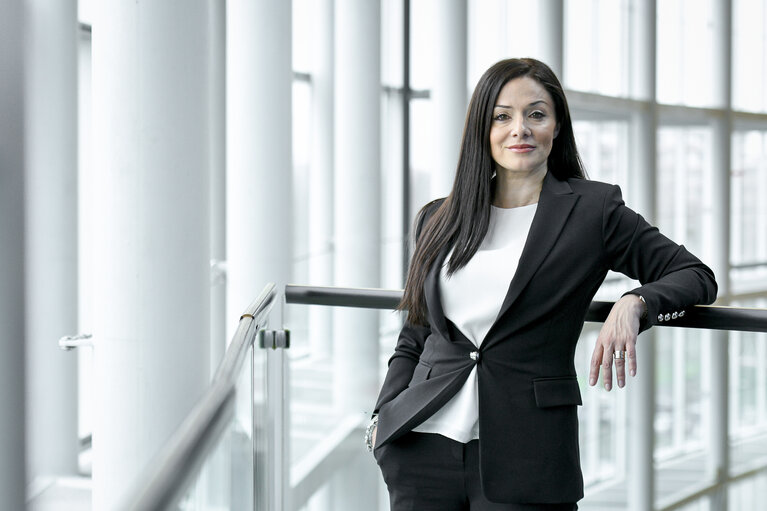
x=478, y=408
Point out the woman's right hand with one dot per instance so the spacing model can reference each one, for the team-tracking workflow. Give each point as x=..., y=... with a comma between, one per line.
x=618, y=335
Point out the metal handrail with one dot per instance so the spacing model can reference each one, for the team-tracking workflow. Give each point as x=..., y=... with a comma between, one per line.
x=169, y=474
x=701, y=316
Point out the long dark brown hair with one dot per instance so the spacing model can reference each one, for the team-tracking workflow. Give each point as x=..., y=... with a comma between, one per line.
x=461, y=221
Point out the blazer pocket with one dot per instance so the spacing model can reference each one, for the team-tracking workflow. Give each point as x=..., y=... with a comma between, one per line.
x=558, y=391
x=421, y=373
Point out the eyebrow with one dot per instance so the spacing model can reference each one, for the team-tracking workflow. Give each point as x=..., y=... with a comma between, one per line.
x=531, y=104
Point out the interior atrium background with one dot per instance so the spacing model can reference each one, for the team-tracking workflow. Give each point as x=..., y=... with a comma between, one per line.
x=607, y=95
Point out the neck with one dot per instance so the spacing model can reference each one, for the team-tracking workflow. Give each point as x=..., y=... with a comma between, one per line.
x=516, y=189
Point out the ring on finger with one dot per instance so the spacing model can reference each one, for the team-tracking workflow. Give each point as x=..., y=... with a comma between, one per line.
x=619, y=355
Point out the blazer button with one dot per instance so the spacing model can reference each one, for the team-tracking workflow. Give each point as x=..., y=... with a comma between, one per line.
x=674, y=315
x=667, y=317
x=474, y=355
x=660, y=317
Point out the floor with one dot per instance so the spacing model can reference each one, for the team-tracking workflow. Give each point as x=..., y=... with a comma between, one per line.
x=60, y=494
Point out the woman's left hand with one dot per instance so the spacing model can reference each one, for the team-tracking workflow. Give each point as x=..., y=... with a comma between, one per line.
x=618, y=334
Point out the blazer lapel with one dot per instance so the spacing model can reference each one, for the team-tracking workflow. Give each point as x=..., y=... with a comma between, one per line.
x=554, y=205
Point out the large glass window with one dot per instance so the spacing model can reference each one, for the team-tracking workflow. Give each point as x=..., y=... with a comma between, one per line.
x=683, y=185
x=748, y=211
x=392, y=190
x=685, y=35
x=421, y=43
x=302, y=119
x=501, y=29
x=748, y=208
x=602, y=418
x=603, y=143
x=597, y=51
x=303, y=34
x=749, y=55
x=391, y=42
x=680, y=393
x=603, y=146
x=683, y=203
x=748, y=378
x=392, y=110
x=85, y=10
x=596, y=48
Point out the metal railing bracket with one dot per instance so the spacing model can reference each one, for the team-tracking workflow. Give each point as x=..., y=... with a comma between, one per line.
x=274, y=339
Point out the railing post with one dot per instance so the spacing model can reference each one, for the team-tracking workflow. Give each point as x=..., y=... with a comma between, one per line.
x=640, y=469
x=718, y=417
x=276, y=342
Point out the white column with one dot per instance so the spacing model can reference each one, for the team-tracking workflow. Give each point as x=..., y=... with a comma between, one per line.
x=152, y=285
x=321, y=177
x=85, y=241
x=641, y=391
x=718, y=462
x=218, y=472
x=449, y=94
x=259, y=159
x=357, y=201
x=51, y=212
x=357, y=226
x=12, y=335
x=551, y=14
x=217, y=116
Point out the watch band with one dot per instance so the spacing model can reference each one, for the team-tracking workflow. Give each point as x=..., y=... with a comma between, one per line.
x=369, y=433
x=644, y=312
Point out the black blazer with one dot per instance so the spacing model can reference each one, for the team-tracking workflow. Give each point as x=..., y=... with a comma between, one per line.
x=528, y=392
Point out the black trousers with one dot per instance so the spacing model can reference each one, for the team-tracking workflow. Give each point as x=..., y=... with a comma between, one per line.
x=429, y=472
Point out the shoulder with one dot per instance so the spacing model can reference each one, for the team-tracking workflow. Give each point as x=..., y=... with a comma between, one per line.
x=589, y=187
x=596, y=193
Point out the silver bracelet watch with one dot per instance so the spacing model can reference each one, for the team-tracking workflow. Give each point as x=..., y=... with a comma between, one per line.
x=369, y=433
x=644, y=311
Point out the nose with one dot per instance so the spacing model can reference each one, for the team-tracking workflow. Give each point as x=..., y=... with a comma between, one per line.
x=519, y=127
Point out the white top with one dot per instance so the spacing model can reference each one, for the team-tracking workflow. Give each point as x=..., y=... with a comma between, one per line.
x=471, y=299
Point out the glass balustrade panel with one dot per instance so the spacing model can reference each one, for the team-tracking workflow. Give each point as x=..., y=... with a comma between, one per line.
x=232, y=477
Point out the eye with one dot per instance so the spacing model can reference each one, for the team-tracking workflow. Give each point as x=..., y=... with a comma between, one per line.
x=501, y=117
x=537, y=115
